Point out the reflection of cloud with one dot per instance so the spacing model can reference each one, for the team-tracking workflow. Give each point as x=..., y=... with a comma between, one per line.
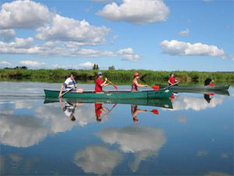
x=97, y=159
x=134, y=138
x=144, y=141
x=15, y=158
x=195, y=103
x=1, y=163
x=23, y=104
x=25, y=131
x=181, y=119
x=226, y=155
x=216, y=174
x=21, y=131
x=202, y=153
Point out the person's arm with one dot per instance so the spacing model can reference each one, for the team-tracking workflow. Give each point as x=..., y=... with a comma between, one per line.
x=104, y=83
x=140, y=85
x=61, y=89
x=61, y=103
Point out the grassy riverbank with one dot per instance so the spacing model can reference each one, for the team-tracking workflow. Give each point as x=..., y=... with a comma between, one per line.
x=149, y=76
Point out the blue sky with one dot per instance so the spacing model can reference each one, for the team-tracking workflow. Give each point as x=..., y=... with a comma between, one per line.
x=129, y=34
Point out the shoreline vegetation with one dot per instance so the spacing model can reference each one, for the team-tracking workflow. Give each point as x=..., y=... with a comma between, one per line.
x=117, y=76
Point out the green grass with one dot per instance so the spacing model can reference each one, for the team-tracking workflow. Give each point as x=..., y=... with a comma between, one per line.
x=116, y=76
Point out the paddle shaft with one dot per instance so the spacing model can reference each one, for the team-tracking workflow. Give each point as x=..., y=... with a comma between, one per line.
x=67, y=92
x=170, y=86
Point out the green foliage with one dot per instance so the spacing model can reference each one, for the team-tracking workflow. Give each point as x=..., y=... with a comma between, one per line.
x=146, y=76
x=111, y=67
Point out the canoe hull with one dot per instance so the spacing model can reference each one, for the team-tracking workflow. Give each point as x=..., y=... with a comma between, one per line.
x=112, y=94
x=222, y=89
x=162, y=103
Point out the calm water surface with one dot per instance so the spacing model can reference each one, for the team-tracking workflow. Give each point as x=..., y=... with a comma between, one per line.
x=195, y=137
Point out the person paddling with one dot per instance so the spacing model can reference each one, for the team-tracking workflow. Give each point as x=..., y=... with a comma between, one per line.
x=172, y=79
x=135, y=83
x=208, y=81
x=99, y=83
x=99, y=109
x=70, y=84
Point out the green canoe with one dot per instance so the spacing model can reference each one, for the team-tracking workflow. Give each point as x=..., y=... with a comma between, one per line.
x=162, y=103
x=219, y=89
x=112, y=94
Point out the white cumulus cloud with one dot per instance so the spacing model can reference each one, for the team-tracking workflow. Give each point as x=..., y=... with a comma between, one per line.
x=7, y=34
x=32, y=63
x=23, y=14
x=179, y=48
x=136, y=11
x=184, y=33
x=128, y=54
x=66, y=29
x=5, y=63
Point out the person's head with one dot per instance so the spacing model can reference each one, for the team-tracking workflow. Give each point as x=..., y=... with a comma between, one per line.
x=209, y=76
x=72, y=117
x=171, y=74
x=136, y=75
x=100, y=74
x=135, y=119
x=73, y=75
x=98, y=118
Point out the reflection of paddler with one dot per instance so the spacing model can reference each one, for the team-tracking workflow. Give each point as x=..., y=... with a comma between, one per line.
x=207, y=97
x=135, y=111
x=99, y=109
x=68, y=109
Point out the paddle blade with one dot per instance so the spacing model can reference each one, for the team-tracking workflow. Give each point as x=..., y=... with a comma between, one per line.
x=156, y=88
x=115, y=87
x=155, y=111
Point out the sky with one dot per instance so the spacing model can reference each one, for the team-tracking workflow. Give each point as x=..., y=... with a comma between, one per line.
x=169, y=35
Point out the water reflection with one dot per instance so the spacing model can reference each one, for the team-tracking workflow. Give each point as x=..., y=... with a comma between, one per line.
x=44, y=137
x=140, y=140
x=97, y=159
x=186, y=102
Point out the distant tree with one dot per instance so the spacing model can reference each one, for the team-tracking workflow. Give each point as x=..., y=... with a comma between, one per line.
x=111, y=67
x=95, y=67
x=24, y=67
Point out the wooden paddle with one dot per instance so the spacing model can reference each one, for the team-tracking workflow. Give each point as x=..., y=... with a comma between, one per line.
x=113, y=85
x=112, y=108
x=156, y=87
x=67, y=92
x=170, y=86
x=154, y=111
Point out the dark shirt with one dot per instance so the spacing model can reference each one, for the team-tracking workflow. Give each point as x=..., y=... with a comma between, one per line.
x=207, y=81
x=207, y=98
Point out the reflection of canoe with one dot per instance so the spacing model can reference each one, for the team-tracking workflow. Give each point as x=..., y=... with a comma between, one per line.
x=222, y=89
x=163, y=103
x=112, y=94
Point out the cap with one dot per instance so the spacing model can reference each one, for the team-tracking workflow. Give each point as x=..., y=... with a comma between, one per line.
x=171, y=73
x=99, y=73
x=136, y=74
x=73, y=73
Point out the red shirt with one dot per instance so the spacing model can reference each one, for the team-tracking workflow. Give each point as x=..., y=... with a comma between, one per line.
x=98, y=87
x=98, y=107
x=172, y=80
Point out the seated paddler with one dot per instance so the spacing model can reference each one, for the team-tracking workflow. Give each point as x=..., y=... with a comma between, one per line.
x=99, y=83
x=135, y=83
x=70, y=84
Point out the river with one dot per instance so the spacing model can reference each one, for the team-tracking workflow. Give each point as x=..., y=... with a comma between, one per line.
x=38, y=137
